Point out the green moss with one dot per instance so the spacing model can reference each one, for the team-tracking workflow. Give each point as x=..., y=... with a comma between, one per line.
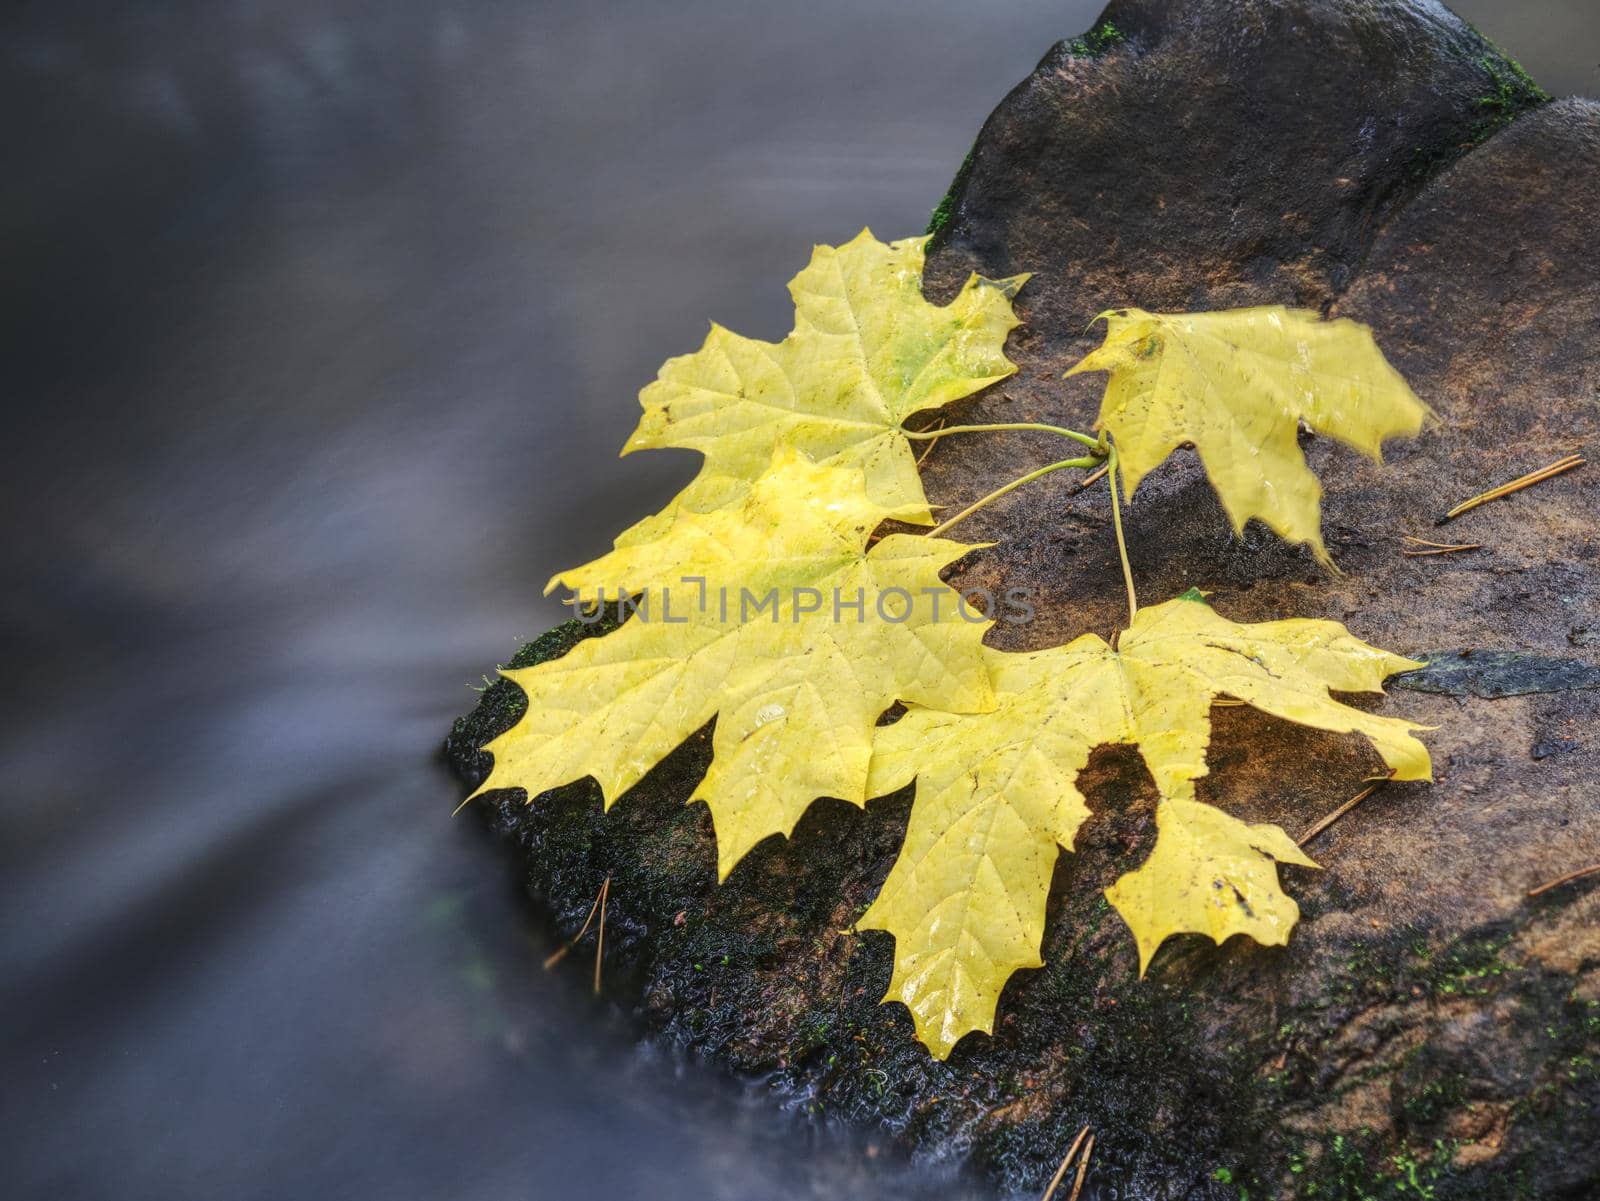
x=1353, y=1168
x=1470, y=969
x=1405, y=964
x=1508, y=92
x=1431, y=1102
x=1097, y=41
x=945, y=209
x=1089, y=45
x=1511, y=92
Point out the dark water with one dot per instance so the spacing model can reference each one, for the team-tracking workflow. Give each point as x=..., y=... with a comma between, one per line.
x=322, y=323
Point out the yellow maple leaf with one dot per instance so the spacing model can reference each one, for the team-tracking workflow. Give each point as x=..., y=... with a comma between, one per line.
x=773, y=617
x=1209, y=873
x=997, y=795
x=867, y=351
x=1237, y=384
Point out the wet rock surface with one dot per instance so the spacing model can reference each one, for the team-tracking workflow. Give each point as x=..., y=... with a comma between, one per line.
x=1428, y=1027
x=1490, y=673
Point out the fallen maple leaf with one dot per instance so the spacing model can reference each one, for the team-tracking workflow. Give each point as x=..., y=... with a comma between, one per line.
x=867, y=351
x=805, y=455
x=796, y=684
x=1237, y=384
x=997, y=795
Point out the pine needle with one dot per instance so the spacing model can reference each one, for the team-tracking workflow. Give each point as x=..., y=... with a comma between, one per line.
x=600, y=941
x=1344, y=808
x=1567, y=463
x=1055, y=1181
x=561, y=953
x=932, y=442
x=1437, y=548
x=1592, y=869
x=1083, y=1166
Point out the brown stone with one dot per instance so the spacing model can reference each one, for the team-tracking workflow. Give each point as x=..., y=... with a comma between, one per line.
x=1427, y=1020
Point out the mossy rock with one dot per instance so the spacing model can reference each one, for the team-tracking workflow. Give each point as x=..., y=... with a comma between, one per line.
x=1429, y=1030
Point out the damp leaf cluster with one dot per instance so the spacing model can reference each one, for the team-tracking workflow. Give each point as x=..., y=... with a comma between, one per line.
x=768, y=596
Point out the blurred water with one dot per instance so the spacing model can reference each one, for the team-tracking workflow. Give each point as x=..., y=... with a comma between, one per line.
x=322, y=323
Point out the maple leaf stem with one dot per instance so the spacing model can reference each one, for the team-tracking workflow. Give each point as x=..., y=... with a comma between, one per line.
x=1122, y=543
x=982, y=501
x=1081, y=439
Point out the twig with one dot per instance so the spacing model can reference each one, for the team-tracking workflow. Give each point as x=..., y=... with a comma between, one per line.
x=1591, y=870
x=1344, y=808
x=1533, y=477
x=1055, y=1181
x=561, y=953
x=600, y=940
x=1438, y=548
x=1093, y=477
x=1083, y=1166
